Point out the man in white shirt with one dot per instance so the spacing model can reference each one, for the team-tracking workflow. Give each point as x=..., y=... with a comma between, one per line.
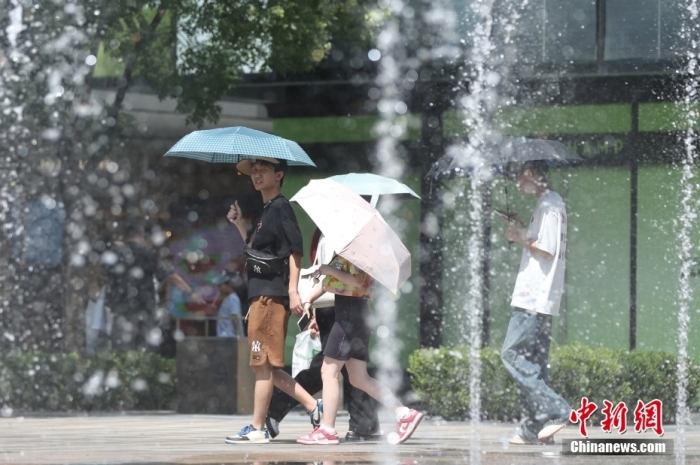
x=536, y=298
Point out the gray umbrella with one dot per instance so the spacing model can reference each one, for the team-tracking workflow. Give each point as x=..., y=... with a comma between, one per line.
x=499, y=151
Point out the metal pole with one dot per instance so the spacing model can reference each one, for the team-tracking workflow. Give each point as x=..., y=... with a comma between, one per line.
x=600, y=35
x=485, y=266
x=633, y=227
x=431, y=301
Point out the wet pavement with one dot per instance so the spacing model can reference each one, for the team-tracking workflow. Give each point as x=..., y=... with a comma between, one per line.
x=167, y=438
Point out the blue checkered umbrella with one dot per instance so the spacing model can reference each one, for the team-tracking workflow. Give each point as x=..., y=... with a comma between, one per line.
x=231, y=145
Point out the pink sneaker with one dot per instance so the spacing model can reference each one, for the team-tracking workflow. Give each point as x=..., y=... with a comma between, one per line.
x=319, y=436
x=407, y=425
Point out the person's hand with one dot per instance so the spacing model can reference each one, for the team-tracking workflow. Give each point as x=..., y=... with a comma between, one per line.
x=313, y=329
x=295, y=304
x=196, y=298
x=515, y=219
x=516, y=232
x=235, y=215
x=318, y=272
x=307, y=309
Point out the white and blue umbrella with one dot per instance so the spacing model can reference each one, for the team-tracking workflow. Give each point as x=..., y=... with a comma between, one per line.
x=231, y=145
x=374, y=186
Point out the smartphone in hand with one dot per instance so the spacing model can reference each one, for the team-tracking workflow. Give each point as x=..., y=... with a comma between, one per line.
x=506, y=215
x=303, y=322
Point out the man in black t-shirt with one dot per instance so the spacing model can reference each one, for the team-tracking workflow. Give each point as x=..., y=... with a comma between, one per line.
x=273, y=274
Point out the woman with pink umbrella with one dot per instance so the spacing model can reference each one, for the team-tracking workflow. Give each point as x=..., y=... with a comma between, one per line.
x=367, y=250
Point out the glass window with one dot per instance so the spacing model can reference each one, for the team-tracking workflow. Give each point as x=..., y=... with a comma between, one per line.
x=645, y=29
x=541, y=31
x=569, y=31
x=674, y=41
x=632, y=29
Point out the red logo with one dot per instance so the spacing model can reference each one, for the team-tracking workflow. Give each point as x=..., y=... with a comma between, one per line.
x=614, y=417
x=646, y=416
x=649, y=416
x=582, y=414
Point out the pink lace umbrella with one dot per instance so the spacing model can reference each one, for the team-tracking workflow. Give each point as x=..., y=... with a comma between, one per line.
x=356, y=231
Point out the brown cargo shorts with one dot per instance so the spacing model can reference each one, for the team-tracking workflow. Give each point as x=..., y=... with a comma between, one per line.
x=267, y=331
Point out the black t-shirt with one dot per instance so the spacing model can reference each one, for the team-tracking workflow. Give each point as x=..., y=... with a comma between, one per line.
x=278, y=234
x=130, y=272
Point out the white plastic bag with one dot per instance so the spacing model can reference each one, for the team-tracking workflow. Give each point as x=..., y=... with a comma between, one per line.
x=305, y=348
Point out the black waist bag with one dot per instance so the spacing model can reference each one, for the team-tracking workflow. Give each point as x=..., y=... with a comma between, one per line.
x=263, y=264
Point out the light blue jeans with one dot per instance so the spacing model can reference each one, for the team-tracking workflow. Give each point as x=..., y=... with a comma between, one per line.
x=525, y=354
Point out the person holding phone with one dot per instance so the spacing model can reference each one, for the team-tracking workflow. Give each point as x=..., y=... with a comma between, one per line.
x=536, y=298
x=272, y=265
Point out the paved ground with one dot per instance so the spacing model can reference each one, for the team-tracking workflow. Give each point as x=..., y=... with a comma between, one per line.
x=198, y=439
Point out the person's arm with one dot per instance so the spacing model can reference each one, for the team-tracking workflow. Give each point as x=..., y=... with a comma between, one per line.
x=177, y=281
x=315, y=293
x=519, y=235
x=294, y=300
x=517, y=232
x=313, y=296
x=235, y=216
x=346, y=278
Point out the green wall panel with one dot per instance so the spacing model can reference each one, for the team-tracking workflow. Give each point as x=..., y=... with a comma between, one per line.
x=667, y=116
x=335, y=129
x=556, y=120
x=658, y=263
x=597, y=272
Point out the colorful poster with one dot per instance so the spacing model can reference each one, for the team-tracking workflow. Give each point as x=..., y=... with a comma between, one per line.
x=198, y=257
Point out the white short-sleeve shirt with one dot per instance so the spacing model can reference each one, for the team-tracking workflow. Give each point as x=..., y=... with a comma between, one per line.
x=540, y=282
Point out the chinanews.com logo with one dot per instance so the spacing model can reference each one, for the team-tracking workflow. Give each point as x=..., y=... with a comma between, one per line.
x=646, y=416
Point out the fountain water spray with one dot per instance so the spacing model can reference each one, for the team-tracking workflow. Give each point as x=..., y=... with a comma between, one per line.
x=391, y=126
x=687, y=222
x=485, y=72
x=476, y=106
x=397, y=73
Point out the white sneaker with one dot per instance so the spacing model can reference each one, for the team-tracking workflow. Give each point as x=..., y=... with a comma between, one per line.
x=551, y=429
x=518, y=440
x=249, y=435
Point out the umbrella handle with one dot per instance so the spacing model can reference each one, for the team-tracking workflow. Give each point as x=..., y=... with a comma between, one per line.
x=505, y=191
x=373, y=201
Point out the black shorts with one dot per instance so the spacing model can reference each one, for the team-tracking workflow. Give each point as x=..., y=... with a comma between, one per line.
x=349, y=337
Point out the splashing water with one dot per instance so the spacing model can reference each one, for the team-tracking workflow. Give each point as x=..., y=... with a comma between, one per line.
x=476, y=120
x=390, y=128
x=687, y=221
